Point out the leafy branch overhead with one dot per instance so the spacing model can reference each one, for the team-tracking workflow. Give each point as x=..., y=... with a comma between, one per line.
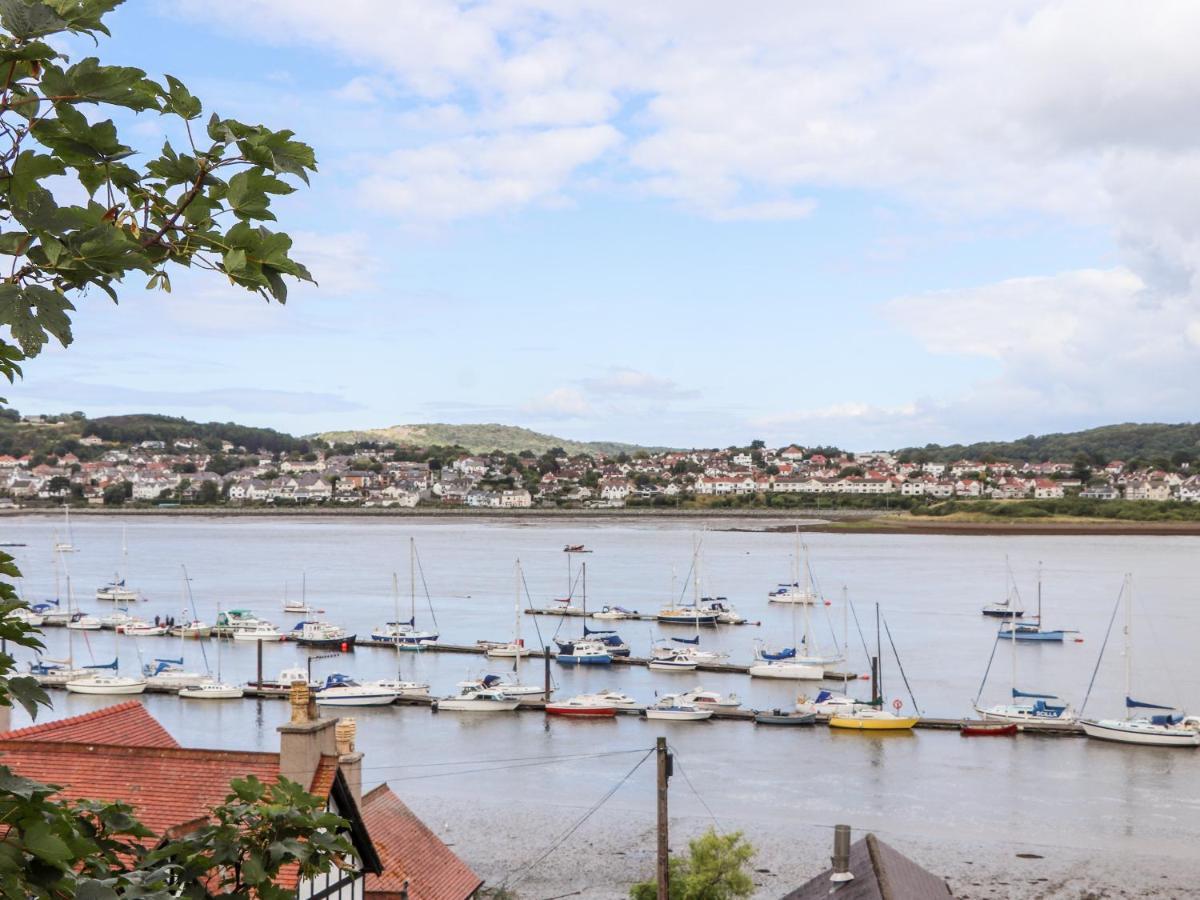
x=200, y=203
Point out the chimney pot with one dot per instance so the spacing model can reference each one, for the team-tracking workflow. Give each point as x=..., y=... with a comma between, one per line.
x=299, y=698
x=345, y=733
x=841, y=855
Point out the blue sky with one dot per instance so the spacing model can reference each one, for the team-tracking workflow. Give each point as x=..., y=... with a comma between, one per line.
x=685, y=223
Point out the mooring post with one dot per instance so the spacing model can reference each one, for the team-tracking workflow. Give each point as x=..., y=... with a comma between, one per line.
x=260, y=681
x=546, y=656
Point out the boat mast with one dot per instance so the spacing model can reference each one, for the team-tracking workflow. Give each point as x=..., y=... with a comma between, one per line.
x=807, y=597
x=1039, y=592
x=1128, y=635
x=412, y=581
x=845, y=639
x=517, y=620
x=583, y=568
x=879, y=660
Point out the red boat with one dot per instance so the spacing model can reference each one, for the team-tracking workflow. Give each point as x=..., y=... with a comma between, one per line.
x=988, y=729
x=581, y=706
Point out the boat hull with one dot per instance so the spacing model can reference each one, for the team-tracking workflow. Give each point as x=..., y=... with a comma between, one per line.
x=791, y=672
x=572, y=660
x=581, y=712
x=328, y=643
x=1018, y=715
x=980, y=729
x=225, y=692
x=778, y=717
x=997, y=612
x=860, y=722
x=107, y=688
x=456, y=705
x=1054, y=636
x=690, y=620
x=357, y=700
x=1146, y=735
x=677, y=715
x=662, y=665
x=251, y=636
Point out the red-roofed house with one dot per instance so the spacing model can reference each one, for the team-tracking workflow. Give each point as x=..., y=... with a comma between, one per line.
x=122, y=753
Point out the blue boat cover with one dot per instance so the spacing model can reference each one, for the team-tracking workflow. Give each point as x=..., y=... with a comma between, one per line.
x=1033, y=696
x=491, y=680
x=785, y=653
x=822, y=696
x=337, y=679
x=1166, y=720
x=411, y=623
x=1130, y=703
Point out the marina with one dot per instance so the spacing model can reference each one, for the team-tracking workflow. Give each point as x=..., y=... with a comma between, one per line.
x=930, y=593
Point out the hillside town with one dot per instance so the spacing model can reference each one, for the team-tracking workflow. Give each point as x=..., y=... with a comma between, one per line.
x=195, y=471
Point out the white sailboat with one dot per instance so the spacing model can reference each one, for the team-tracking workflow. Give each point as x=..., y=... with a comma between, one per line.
x=67, y=546
x=406, y=634
x=117, y=590
x=167, y=672
x=1026, y=706
x=795, y=592
x=97, y=682
x=1009, y=608
x=784, y=664
x=1165, y=728
x=300, y=607
x=516, y=647
x=213, y=689
x=58, y=672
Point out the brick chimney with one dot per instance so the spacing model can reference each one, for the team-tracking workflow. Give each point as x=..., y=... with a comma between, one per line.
x=349, y=761
x=305, y=739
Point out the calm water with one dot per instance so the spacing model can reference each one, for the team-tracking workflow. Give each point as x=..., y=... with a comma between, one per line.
x=1036, y=791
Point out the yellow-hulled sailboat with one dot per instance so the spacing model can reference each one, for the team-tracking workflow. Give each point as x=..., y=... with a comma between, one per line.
x=873, y=717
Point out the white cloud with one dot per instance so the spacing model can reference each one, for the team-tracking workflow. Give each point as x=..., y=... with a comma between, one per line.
x=560, y=403
x=480, y=175
x=1064, y=106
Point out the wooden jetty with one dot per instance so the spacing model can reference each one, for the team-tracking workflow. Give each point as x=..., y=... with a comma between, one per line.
x=1046, y=729
x=639, y=617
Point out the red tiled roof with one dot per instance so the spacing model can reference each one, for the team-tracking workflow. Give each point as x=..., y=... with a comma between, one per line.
x=167, y=786
x=126, y=723
x=411, y=852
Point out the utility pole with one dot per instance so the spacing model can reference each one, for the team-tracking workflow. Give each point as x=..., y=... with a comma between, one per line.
x=665, y=771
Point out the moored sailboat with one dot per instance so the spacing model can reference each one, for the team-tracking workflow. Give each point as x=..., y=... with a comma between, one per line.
x=405, y=634
x=1166, y=726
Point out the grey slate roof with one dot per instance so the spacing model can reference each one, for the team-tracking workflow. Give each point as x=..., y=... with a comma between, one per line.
x=881, y=872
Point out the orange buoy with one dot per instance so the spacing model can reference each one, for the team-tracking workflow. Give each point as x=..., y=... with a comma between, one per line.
x=345, y=646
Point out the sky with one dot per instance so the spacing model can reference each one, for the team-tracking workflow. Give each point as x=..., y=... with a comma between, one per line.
x=684, y=223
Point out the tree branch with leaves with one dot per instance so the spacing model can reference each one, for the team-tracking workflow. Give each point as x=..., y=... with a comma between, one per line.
x=200, y=205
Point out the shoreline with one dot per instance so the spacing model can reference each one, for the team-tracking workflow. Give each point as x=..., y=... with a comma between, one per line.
x=823, y=521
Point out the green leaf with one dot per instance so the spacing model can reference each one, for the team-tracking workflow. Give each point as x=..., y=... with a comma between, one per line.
x=89, y=82
x=26, y=19
x=28, y=693
x=14, y=243
x=180, y=100
x=33, y=313
x=247, y=192
x=28, y=169
x=91, y=889
x=46, y=846
x=235, y=261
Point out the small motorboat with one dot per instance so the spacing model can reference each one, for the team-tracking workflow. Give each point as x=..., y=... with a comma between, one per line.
x=715, y=699
x=28, y=616
x=212, y=690
x=826, y=703
x=503, y=650
x=671, y=707
x=145, y=629
x=84, y=622
x=342, y=690
x=726, y=614
x=585, y=653
x=583, y=706
x=576, y=548
x=193, y=629
x=478, y=701
x=668, y=659
x=118, y=621
x=260, y=631
x=987, y=729
x=782, y=717
x=507, y=685
x=322, y=635
x=116, y=592
x=405, y=688
x=615, y=612
x=617, y=699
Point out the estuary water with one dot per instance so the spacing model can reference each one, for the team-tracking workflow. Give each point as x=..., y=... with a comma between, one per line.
x=1086, y=816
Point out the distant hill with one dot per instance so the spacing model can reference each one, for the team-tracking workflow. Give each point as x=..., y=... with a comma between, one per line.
x=1126, y=442
x=478, y=439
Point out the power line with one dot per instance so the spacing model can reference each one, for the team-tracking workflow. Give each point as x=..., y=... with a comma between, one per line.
x=575, y=827
x=683, y=772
